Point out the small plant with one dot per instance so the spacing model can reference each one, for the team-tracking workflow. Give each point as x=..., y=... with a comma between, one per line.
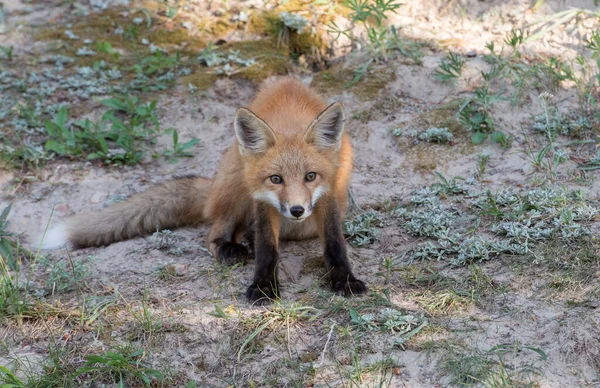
x=63, y=139
x=67, y=275
x=362, y=230
x=482, y=161
x=447, y=186
x=224, y=64
x=436, y=135
x=450, y=68
x=7, y=52
x=14, y=298
x=10, y=249
x=380, y=39
x=403, y=326
x=501, y=366
x=180, y=150
x=107, y=48
x=119, y=366
x=157, y=64
x=474, y=114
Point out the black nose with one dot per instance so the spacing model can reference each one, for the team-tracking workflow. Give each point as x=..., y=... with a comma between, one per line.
x=297, y=211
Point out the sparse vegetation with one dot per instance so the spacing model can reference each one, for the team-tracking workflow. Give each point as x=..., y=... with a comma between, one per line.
x=469, y=253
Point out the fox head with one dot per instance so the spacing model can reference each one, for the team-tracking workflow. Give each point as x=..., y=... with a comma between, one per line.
x=290, y=171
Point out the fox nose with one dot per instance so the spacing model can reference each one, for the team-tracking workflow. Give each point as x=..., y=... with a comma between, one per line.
x=297, y=211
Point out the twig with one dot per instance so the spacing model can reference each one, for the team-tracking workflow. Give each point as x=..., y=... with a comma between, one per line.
x=322, y=358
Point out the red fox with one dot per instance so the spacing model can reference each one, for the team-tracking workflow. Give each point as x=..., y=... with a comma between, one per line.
x=285, y=177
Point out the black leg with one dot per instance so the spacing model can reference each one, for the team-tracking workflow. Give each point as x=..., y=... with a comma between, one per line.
x=265, y=286
x=335, y=255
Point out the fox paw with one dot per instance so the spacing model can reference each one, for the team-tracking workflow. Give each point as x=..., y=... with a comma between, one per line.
x=347, y=284
x=262, y=292
x=232, y=253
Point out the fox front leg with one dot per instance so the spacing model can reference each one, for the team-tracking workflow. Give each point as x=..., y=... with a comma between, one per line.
x=342, y=279
x=265, y=286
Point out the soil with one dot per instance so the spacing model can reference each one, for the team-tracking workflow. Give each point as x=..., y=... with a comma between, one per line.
x=196, y=346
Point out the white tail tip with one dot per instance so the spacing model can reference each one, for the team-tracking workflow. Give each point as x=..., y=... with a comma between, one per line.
x=56, y=237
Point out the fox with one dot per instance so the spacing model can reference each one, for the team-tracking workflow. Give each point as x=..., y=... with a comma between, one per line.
x=285, y=177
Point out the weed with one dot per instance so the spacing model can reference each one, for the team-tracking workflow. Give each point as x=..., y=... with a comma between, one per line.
x=67, y=275
x=482, y=161
x=167, y=240
x=450, y=68
x=474, y=115
x=402, y=326
x=7, y=52
x=14, y=298
x=123, y=364
x=520, y=220
x=436, y=135
x=10, y=248
x=380, y=39
x=148, y=324
x=362, y=229
x=224, y=64
x=179, y=150
x=492, y=368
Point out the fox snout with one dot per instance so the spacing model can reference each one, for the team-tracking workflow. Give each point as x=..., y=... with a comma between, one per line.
x=297, y=213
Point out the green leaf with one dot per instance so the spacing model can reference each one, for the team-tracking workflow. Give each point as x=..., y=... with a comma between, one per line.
x=190, y=144
x=61, y=118
x=114, y=103
x=175, y=138
x=478, y=137
x=498, y=137
x=53, y=145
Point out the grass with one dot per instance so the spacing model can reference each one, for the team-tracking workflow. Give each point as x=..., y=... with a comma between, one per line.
x=502, y=365
x=122, y=365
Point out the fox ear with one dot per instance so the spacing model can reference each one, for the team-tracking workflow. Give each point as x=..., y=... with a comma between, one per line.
x=254, y=135
x=326, y=130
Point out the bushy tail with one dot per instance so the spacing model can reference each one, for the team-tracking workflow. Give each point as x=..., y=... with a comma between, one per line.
x=171, y=204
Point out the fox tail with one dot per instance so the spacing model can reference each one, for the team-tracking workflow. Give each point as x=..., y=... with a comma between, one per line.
x=178, y=202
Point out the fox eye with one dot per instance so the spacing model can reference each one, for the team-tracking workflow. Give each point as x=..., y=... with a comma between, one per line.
x=311, y=176
x=276, y=179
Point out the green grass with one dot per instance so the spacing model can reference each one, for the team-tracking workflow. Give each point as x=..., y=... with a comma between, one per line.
x=123, y=365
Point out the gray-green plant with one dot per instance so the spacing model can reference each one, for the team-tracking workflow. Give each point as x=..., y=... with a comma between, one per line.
x=362, y=229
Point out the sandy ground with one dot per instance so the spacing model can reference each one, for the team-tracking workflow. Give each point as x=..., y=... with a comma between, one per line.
x=523, y=309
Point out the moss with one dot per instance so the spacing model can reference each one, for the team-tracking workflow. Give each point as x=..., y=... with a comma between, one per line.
x=177, y=36
x=216, y=28
x=201, y=79
x=96, y=26
x=308, y=44
x=339, y=78
x=269, y=60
